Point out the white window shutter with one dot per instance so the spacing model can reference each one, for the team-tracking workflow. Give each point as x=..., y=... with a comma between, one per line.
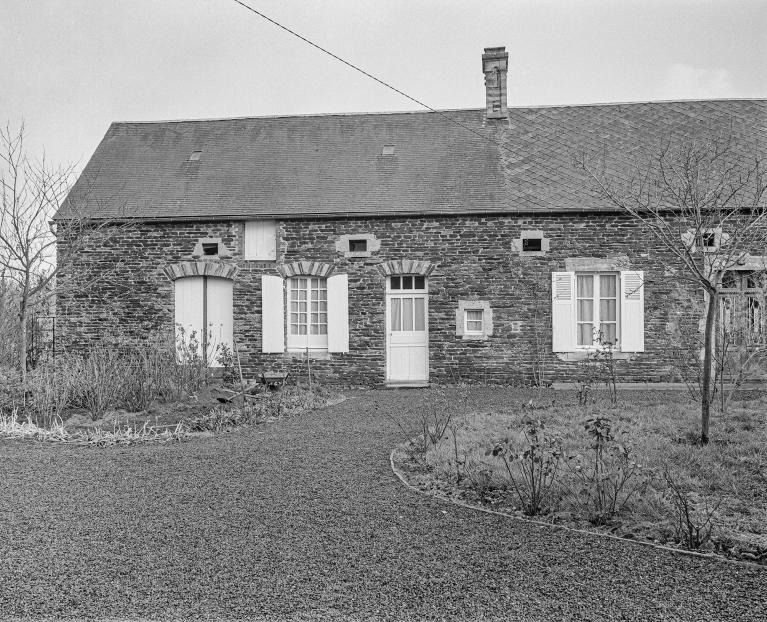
x=272, y=314
x=632, y=311
x=338, y=313
x=260, y=241
x=188, y=313
x=563, y=311
x=220, y=321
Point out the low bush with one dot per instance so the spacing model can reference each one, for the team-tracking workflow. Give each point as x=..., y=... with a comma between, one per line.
x=532, y=463
x=607, y=476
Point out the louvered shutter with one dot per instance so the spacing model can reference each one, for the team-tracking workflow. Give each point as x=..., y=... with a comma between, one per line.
x=188, y=313
x=272, y=314
x=338, y=313
x=563, y=311
x=632, y=311
x=219, y=317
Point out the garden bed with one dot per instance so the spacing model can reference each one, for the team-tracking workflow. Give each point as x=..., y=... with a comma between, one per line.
x=657, y=484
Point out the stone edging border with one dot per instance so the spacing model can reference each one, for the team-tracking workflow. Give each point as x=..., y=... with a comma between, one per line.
x=662, y=547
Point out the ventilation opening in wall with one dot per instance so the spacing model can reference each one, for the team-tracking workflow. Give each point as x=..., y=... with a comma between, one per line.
x=210, y=249
x=358, y=246
x=530, y=245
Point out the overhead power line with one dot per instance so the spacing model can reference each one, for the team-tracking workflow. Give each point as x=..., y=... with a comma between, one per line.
x=371, y=76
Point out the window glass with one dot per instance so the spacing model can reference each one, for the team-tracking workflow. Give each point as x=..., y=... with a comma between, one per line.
x=420, y=316
x=596, y=309
x=407, y=282
x=407, y=314
x=420, y=282
x=474, y=320
x=308, y=306
x=395, y=282
x=396, y=313
x=585, y=309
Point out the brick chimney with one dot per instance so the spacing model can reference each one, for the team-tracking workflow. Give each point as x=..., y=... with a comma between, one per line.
x=495, y=64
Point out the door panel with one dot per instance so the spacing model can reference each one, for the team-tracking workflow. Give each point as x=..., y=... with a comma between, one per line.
x=407, y=338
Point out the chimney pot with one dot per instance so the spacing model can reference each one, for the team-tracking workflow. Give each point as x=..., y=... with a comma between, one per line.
x=495, y=65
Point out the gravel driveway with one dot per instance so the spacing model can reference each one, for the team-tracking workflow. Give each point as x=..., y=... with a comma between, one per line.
x=302, y=519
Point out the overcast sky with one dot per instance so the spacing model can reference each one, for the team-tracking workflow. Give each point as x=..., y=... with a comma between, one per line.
x=70, y=67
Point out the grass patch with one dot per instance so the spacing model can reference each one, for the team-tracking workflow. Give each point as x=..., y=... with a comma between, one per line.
x=623, y=485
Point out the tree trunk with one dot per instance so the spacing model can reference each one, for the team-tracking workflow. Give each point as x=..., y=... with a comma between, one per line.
x=707, y=383
x=23, y=346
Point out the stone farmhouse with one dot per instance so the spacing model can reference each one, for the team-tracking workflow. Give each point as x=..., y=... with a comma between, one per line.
x=390, y=248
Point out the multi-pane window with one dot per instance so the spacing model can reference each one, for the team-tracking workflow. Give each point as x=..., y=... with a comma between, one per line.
x=474, y=321
x=742, y=306
x=408, y=306
x=596, y=309
x=308, y=318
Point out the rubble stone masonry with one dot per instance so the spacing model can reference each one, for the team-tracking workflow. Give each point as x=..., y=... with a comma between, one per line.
x=472, y=257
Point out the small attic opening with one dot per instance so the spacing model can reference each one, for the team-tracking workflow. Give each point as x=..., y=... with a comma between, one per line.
x=388, y=150
x=210, y=249
x=531, y=245
x=358, y=246
x=195, y=157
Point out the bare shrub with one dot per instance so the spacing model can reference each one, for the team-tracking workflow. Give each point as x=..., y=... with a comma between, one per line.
x=608, y=477
x=692, y=527
x=532, y=464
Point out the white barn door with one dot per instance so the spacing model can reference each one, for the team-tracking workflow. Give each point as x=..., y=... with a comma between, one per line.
x=203, y=315
x=219, y=317
x=407, y=330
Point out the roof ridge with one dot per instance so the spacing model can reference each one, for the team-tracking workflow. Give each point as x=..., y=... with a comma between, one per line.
x=443, y=110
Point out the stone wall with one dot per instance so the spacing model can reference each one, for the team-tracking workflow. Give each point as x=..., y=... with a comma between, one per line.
x=475, y=258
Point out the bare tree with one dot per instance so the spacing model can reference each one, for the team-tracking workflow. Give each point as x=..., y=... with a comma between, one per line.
x=704, y=201
x=32, y=193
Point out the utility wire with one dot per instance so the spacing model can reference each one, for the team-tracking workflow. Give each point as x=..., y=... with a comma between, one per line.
x=372, y=77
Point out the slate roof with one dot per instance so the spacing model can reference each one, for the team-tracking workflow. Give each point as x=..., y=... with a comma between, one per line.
x=332, y=165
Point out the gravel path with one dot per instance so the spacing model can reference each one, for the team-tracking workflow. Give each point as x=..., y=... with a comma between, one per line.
x=302, y=519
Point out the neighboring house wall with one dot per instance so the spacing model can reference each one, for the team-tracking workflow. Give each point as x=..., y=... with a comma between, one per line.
x=473, y=259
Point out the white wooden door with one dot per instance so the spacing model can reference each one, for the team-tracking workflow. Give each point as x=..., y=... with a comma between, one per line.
x=407, y=330
x=219, y=317
x=203, y=315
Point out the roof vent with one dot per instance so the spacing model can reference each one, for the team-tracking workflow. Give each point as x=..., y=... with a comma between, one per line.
x=388, y=150
x=195, y=156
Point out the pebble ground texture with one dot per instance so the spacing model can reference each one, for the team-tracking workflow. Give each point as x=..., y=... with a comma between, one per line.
x=303, y=519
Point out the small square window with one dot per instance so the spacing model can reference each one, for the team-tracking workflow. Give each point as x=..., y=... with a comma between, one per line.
x=196, y=155
x=709, y=239
x=530, y=245
x=358, y=246
x=474, y=321
x=210, y=248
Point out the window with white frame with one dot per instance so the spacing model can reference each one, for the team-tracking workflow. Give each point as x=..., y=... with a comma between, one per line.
x=742, y=304
x=308, y=313
x=596, y=309
x=260, y=240
x=474, y=322
x=593, y=309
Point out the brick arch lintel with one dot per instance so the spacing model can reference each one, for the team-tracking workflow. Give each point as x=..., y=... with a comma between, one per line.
x=305, y=268
x=406, y=266
x=200, y=268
